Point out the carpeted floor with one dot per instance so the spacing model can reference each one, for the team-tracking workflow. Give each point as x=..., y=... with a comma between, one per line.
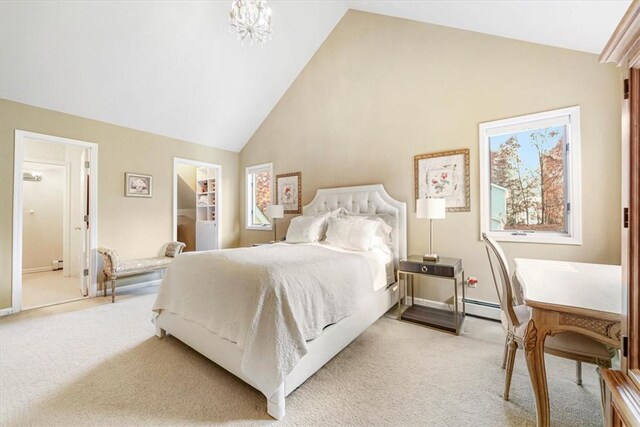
x=48, y=287
x=94, y=363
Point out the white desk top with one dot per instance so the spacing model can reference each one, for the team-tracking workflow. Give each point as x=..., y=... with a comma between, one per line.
x=578, y=285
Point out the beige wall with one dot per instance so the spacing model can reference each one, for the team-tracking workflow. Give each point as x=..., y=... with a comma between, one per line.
x=43, y=203
x=381, y=90
x=135, y=227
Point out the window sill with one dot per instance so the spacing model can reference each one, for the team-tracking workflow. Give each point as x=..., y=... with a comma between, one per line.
x=540, y=238
x=259, y=227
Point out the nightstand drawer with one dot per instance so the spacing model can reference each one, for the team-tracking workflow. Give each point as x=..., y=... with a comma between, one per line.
x=441, y=268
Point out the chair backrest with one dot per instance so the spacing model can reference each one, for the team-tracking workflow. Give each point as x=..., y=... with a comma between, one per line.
x=504, y=288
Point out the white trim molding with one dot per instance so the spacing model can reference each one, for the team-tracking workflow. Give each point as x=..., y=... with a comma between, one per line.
x=136, y=285
x=37, y=270
x=16, y=275
x=568, y=117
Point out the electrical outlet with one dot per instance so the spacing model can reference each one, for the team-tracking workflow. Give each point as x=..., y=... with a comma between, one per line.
x=472, y=282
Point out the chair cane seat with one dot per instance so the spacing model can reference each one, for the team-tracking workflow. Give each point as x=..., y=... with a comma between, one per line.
x=567, y=343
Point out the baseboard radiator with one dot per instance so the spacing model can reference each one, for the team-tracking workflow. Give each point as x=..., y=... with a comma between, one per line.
x=485, y=309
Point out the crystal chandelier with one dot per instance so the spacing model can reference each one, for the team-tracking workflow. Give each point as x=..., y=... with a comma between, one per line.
x=251, y=18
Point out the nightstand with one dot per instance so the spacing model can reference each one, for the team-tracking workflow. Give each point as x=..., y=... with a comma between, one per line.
x=444, y=268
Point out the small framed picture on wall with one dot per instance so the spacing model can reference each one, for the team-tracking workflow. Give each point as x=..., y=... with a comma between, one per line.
x=289, y=192
x=137, y=185
x=444, y=175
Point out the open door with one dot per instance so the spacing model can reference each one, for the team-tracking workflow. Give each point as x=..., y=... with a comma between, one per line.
x=196, y=204
x=84, y=224
x=76, y=262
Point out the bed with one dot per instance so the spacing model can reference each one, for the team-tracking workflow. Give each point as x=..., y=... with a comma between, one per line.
x=273, y=359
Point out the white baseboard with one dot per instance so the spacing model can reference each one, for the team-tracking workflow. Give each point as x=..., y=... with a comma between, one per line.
x=36, y=270
x=155, y=282
x=6, y=311
x=471, y=307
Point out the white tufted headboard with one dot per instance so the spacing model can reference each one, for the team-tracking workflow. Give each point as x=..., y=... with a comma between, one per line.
x=371, y=199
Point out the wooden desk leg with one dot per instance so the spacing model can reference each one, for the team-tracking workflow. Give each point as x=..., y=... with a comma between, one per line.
x=534, y=352
x=399, y=314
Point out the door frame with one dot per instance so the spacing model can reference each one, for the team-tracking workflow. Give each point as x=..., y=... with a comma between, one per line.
x=18, y=208
x=197, y=163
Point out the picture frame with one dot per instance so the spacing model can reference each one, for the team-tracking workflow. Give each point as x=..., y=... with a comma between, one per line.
x=444, y=174
x=289, y=192
x=138, y=185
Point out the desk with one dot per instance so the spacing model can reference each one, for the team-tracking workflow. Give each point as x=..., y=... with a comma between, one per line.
x=566, y=297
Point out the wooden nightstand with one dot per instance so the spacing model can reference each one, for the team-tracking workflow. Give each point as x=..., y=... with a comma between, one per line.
x=445, y=268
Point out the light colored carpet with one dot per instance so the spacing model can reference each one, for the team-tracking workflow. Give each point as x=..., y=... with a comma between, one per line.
x=95, y=363
x=48, y=287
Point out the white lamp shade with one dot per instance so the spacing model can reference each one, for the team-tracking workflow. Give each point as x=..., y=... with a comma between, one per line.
x=275, y=211
x=430, y=208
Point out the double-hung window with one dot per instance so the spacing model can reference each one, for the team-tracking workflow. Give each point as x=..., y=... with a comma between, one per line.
x=530, y=178
x=259, y=180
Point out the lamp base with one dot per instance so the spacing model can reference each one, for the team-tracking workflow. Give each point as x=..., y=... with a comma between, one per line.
x=430, y=257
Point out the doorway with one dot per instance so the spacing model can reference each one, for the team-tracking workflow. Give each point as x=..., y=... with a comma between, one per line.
x=196, y=204
x=54, y=218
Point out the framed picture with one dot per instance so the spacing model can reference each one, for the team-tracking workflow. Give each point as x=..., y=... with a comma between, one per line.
x=444, y=174
x=137, y=185
x=289, y=192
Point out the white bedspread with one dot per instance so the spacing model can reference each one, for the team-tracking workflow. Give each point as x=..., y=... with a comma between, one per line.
x=269, y=300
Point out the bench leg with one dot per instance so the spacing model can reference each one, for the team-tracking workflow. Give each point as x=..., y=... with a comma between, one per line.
x=104, y=285
x=113, y=290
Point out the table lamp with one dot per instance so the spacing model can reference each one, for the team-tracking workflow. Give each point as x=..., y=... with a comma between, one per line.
x=430, y=208
x=274, y=212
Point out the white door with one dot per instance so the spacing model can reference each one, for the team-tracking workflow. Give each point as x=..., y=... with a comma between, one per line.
x=84, y=224
x=76, y=263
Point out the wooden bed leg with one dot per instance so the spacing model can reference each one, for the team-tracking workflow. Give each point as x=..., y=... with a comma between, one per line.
x=275, y=404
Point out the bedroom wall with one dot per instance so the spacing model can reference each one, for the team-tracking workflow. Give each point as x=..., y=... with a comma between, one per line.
x=135, y=227
x=381, y=90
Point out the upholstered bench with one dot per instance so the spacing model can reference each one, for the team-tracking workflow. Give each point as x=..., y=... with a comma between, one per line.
x=114, y=268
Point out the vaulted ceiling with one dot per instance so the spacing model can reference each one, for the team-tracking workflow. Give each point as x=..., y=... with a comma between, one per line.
x=172, y=68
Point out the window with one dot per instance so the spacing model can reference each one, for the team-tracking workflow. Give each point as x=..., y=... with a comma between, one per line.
x=259, y=183
x=530, y=178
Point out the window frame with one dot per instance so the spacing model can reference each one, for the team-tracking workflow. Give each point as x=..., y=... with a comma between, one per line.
x=570, y=117
x=250, y=170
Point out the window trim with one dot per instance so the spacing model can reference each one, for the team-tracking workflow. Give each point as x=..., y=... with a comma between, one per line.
x=249, y=170
x=568, y=116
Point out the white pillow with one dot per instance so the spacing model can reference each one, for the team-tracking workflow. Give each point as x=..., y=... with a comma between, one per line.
x=351, y=233
x=336, y=213
x=383, y=233
x=305, y=229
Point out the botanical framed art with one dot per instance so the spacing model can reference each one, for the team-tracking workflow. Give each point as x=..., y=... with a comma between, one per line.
x=446, y=175
x=289, y=192
x=137, y=185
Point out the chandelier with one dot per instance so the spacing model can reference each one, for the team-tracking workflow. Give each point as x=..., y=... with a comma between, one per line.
x=252, y=19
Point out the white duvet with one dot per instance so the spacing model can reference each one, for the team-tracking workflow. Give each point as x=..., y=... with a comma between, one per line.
x=269, y=300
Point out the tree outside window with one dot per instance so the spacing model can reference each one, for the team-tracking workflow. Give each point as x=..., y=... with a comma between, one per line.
x=529, y=165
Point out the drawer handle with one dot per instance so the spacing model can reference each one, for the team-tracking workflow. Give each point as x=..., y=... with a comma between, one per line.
x=424, y=269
